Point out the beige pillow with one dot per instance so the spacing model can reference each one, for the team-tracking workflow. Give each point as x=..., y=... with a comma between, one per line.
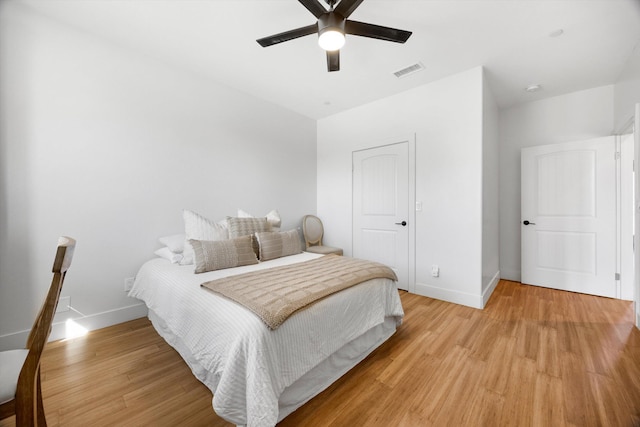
x=246, y=226
x=210, y=255
x=273, y=218
x=272, y=244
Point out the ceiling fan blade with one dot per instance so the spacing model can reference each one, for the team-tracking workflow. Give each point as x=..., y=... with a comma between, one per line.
x=333, y=60
x=376, y=31
x=288, y=35
x=314, y=6
x=346, y=7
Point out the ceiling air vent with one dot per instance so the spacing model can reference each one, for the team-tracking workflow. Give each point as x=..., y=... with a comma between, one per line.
x=409, y=70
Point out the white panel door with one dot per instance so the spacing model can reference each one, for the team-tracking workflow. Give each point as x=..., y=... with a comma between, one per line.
x=381, y=207
x=568, y=213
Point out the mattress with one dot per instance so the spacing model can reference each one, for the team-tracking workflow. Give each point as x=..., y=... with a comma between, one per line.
x=258, y=376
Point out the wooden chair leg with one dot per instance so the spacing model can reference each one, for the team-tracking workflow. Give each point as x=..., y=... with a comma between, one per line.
x=42, y=420
x=26, y=410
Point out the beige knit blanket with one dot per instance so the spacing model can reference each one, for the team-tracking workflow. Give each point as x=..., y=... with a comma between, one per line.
x=275, y=294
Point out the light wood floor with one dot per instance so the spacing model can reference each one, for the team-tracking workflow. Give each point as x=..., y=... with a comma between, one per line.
x=532, y=357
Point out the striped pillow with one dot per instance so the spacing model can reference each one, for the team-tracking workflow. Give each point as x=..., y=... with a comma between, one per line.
x=246, y=226
x=213, y=255
x=273, y=218
x=275, y=245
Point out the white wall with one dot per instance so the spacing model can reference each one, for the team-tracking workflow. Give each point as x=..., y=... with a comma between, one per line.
x=490, y=193
x=627, y=91
x=575, y=116
x=108, y=146
x=446, y=117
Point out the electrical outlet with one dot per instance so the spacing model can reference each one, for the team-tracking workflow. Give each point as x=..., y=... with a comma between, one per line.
x=435, y=270
x=63, y=304
x=128, y=283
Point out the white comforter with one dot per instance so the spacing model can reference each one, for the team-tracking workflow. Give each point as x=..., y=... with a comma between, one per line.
x=246, y=365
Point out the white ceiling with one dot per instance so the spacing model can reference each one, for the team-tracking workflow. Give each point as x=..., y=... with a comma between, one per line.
x=510, y=38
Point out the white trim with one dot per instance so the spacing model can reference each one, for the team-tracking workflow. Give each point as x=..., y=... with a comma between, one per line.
x=412, y=213
x=90, y=322
x=486, y=294
x=455, y=297
x=636, y=155
x=625, y=217
x=618, y=173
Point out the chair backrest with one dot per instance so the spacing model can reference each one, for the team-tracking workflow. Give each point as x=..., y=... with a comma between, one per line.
x=313, y=230
x=42, y=327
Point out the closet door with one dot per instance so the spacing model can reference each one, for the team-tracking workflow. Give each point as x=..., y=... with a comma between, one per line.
x=381, y=207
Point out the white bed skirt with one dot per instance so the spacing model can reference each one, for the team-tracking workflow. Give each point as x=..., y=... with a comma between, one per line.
x=314, y=381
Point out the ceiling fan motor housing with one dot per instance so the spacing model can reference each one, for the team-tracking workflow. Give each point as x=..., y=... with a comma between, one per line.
x=331, y=21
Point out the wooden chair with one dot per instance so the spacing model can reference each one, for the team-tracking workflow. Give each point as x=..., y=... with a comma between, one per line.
x=313, y=232
x=20, y=388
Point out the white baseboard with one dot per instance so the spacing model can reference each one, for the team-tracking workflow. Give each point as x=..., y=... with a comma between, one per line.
x=456, y=297
x=488, y=291
x=90, y=323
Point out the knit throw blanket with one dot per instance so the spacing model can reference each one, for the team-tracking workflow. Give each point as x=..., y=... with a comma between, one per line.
x=276, y=293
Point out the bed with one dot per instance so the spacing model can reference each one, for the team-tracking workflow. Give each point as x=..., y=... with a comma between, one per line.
x=257, y=375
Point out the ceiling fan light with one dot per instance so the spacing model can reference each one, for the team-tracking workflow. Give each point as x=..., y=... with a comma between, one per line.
x=331, y=39
x=331, y=31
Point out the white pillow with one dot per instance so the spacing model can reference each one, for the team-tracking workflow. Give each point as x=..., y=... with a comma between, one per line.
x=166, y=253
x=273, y=218
x=197, y=227
x=175, y=242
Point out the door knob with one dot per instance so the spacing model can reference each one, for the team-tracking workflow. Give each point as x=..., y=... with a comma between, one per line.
x=525, y=222
x=403, y=223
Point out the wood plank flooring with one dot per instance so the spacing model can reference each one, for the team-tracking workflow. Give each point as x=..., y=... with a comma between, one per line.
x=532, y=357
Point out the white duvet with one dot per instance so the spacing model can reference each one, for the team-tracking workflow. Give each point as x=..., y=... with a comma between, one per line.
x=244, y=363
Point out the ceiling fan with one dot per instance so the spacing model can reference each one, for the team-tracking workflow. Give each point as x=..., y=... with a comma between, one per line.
x=332, y=26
